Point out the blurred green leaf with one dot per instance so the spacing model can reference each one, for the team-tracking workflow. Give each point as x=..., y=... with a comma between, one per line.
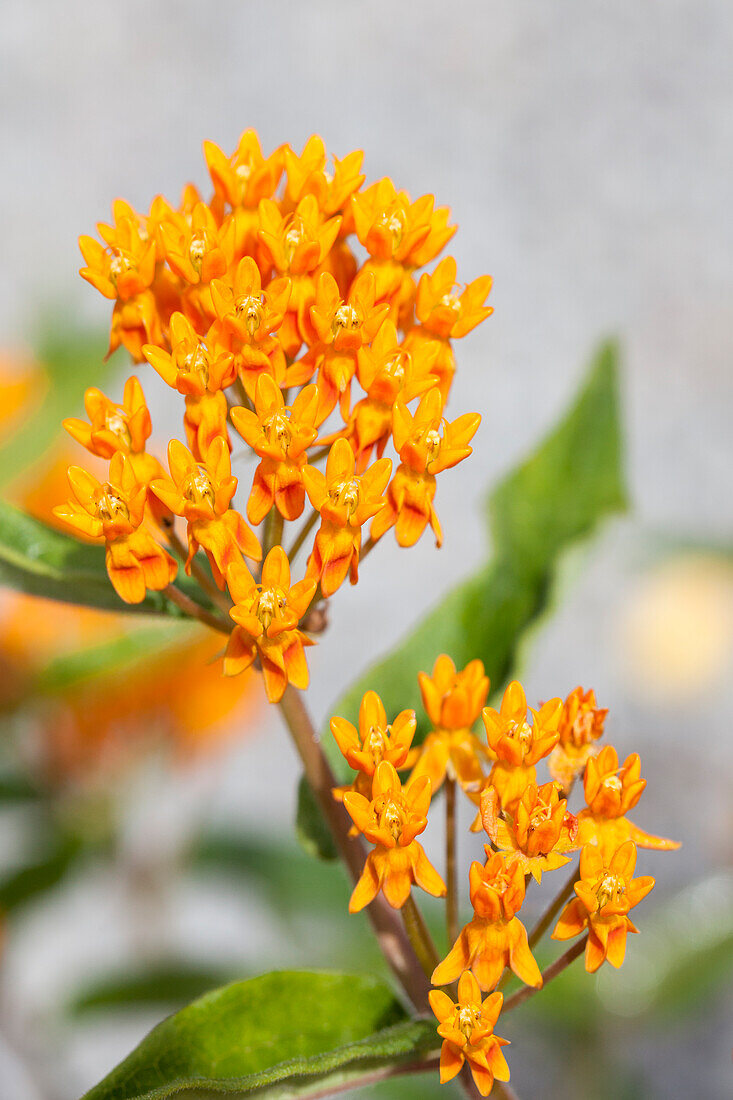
x=692, y=978
x=555, y=498
x=39, y=561
x=16, y=788
x=288, y=878
x=298, y=1030
x=73, y=360
x=26, y=883
x=310, y=825
x=548, y=504
x=687, y=956
x=170, y=983
x=120, y=653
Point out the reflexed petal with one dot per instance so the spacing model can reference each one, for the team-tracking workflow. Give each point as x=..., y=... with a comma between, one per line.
x=451, y=1062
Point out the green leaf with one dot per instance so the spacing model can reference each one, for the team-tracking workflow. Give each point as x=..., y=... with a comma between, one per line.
x=310, y=825
x=169, y=983
x=288, y=1033
x=280, y=868
x=73, y=359
x=119, y=654
x=550, y=502
x=39, y=561
x=23, y=885
x=17, y=789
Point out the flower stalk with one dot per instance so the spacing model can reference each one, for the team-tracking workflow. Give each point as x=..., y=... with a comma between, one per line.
x=551, y=972
x=388, y=927
x=451, y=894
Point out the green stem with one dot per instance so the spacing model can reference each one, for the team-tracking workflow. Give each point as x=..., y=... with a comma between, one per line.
x=419, y=936
x=385, y=921
x=451, y=896
x=547, y=975
x=195, y=611
x=553, y=909
x=217, y=598
x=273, y=531
x=303, y=535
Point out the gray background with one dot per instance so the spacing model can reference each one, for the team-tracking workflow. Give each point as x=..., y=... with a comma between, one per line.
x=585, y=149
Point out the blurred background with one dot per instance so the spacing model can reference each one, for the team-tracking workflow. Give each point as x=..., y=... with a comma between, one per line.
x=146, y=840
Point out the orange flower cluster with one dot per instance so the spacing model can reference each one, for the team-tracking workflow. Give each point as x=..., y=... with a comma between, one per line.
x=529, y=828
x=252, y=305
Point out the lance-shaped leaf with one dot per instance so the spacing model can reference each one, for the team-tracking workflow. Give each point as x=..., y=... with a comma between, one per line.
x=70, y=359
x=36, y=559
x=289, y=1033
x=551, y=501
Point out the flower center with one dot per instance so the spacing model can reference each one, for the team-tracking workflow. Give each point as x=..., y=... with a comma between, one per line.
x=610, y=889
x=197, y=250
x=250, y=307
x=198, y=487
x=396, y=366
x=197, y=362
x=391, y=817
x=375, y=743
x=521, y=731
x=432, y=442
x=117, y=424
x=613, y=783
x=277, y=429
x=110, y=506
x=345, y=317
x=394, y=222
x=118, y=265
x=268, y=603
x=468, y=1017
x=538, y=816
x=452, y=302
x=293, y=237
x=347, y=493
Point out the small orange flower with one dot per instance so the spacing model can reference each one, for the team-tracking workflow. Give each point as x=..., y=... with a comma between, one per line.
x=126, y=266
x=196, y=249
x=399, y=235
x=427, y=444
x=539, y=831
x=341, y=328
x=124, y=271
x=604, y=895
x=516, y=745
x=467, y=1031
x=446, y=313
x=387, y=372
x=135, y=322
x=307, y=175
x=241, y=181
x=115, y=511
x=280, y=435
x=201, y=373
x=495, y=938
x=201, y=493
x=267, y=617
x=581, y=725
x=391, y=820
x=247, y=176
x=375, y=740
x=610, y=792
x=345, y=501
x=112, y=428
x=296, y=245
x=453, y=701
x=247, y=321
